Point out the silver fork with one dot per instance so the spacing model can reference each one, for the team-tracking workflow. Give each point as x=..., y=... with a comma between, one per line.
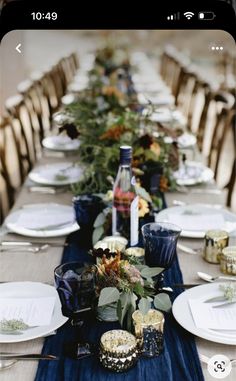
x=35, y=249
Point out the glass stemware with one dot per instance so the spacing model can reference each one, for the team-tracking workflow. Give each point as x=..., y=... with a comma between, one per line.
x=75, y=284
x=160, y=240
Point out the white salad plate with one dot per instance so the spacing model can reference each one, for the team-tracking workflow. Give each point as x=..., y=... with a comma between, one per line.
x=56, y=174
x=182, y=313
x=32, y=290
x=42, y=220
x=192, y=173
x=196, y=219
x=60, y=143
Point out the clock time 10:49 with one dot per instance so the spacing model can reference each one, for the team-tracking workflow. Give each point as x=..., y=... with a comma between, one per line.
x=44, y=16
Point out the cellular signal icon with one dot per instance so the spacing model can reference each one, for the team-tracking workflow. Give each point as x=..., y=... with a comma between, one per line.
x=175, y=16
x=188, y=15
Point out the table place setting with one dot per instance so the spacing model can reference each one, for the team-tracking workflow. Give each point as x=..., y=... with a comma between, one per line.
x=57, y=174
x=61, y=143
x=42, y=220
x=214, y=321
x=193, y=173
x=196, y=219
x=28, y=310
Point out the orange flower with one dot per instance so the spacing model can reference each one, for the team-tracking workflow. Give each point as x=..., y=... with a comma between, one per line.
x=112, y=90
x=143, y=208
x=114, y=133
x=163, y=184
x=155, y=148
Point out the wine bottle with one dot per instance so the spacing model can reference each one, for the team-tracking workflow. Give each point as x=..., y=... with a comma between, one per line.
x=125, y=200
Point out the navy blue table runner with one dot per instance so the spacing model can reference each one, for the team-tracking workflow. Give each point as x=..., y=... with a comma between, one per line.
x=178, y=362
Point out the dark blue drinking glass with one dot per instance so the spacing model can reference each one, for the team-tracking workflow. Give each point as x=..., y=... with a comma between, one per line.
x=160, y=240
x=75, y=284
x=87, y=207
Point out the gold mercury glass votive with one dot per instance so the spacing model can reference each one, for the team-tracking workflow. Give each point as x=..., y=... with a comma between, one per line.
x=138, y=253
x=228, y=260
x=149, y=329
x=215, y=242
x=118, y=350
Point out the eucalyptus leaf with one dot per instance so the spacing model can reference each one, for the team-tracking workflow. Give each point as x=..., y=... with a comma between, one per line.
x=125, y=300
x=97, y=234
x=99, y=220
x=162, y=302
x=144, y=305
x=108, y=295
x=141, y=267
x=150, y=272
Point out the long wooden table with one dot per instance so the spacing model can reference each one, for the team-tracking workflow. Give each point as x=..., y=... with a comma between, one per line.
x=26, y=266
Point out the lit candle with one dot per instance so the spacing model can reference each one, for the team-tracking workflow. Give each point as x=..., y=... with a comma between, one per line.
x=118, y=350
x=149, y=332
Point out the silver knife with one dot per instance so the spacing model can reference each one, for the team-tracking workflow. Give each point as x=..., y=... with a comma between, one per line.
x=216, y=299
x=224, y=304
x=30, y=356
x=29, y=243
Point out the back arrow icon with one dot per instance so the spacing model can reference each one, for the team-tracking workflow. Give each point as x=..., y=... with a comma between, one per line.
x=18, y=48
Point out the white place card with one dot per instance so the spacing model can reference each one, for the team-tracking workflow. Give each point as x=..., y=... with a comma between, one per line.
x=33, y=311
x=205, y=316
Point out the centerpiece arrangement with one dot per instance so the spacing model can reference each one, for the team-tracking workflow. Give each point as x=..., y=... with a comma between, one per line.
x=106, y=116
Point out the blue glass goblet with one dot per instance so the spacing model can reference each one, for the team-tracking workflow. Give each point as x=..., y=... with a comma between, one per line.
x=160, y=241
x=75, y=285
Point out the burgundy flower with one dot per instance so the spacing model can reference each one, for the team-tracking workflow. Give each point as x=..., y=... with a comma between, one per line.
x=70, y=129
x=145, y=141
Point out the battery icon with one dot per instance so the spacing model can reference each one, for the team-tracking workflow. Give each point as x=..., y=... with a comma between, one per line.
x=206, y=15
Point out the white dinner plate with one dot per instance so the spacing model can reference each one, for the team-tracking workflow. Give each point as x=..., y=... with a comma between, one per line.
x=193, y=173
x=68, y=99
x=162, y=99
x=32, y=290
x=165, y=115
x=56, y=174
x=196, y=219
x=183, y=315
x=60, y=143
x=186, y=140
x=42, y=220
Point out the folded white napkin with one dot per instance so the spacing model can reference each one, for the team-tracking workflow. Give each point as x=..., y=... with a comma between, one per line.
x=50, y=172
x=197, y=221
x=160, y=99
x=44, y=218
x=205, y=316
x=61, y=139
x=33, y=311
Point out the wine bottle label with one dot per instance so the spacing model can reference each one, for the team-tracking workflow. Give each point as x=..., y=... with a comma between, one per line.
x=134, y=222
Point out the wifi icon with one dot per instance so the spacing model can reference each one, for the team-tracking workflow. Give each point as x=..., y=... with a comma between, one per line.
x=188, y=15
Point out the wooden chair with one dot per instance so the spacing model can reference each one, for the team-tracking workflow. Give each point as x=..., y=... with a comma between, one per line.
x=23, y=118
x=225, y=121
x=12, y=169
x=231, y=184
x=34, y=98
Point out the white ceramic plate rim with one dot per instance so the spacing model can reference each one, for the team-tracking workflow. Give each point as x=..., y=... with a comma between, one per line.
x=30, y=289
x=162, y=217
x=206, y=175
x=49, y=144
x=36, y=175
x=63, y=231
x=182, y=314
